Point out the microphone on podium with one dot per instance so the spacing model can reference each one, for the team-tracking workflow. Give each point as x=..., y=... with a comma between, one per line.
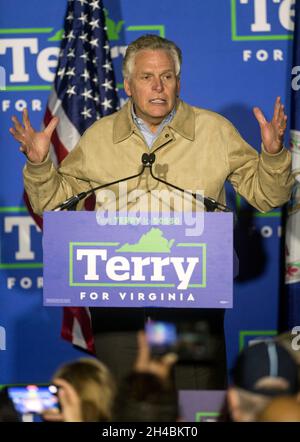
x=71, y=202
x=210, y=204
x=147, y=161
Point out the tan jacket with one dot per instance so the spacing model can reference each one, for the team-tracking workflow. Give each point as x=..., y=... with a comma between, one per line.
x=197, y=150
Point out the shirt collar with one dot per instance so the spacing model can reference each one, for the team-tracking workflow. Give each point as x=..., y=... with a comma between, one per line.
x=183, y=122
x=142, y=124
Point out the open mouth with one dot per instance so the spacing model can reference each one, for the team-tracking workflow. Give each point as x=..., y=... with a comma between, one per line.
x=158, y=101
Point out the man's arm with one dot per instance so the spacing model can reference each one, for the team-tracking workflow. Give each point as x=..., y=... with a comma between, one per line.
x=45, y=186
x=272, y=132
x=265, y=180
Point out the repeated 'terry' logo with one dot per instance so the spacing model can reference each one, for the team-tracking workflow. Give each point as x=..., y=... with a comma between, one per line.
x=259, y=20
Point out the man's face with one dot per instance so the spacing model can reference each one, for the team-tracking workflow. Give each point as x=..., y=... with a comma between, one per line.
x=153, y=86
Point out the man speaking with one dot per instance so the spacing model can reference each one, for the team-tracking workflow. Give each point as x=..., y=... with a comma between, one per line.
x=198, y=150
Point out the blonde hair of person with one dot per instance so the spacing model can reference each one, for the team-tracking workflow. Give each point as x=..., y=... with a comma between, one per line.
x=94, y=385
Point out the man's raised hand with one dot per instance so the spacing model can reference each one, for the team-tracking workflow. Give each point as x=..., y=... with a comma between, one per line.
x=272, y=132
x=35, y=145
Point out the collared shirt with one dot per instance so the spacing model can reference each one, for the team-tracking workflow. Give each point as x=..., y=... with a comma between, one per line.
x=149, y=136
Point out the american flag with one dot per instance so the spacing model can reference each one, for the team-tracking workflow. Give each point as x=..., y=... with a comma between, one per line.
x=84, y=90
x=84, y=87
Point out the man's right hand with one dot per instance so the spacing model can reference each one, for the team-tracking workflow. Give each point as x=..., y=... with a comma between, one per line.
x=35, y=145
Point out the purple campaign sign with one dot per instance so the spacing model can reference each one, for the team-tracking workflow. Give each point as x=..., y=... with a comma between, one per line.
x=87, y=264
x=201, y=406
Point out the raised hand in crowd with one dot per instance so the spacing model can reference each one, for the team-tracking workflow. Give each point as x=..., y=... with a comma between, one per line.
x=146, y=364
x=70, y=404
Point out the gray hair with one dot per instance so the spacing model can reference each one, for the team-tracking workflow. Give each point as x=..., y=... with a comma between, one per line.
x=151, y=42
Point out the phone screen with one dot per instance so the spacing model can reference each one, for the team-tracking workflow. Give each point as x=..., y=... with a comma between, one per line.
x=33, y=398
x=161, y=337
x=191, y=342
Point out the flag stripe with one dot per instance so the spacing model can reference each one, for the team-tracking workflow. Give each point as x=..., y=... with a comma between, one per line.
x=79, y=331
x=60, y=150
x=66, y=131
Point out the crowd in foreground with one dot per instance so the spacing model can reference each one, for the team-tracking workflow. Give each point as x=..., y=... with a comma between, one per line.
x=264, y=388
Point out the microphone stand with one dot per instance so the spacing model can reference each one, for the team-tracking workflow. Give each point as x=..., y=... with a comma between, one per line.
x=210, y=204
x=71, y=203
x=147, y=161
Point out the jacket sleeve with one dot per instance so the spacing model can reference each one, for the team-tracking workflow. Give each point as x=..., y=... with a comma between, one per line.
x=47, y=186
x=264, y=179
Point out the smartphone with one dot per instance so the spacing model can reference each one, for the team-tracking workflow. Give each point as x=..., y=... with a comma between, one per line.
x=33, y=398
x=161, y=337
x=191, y=342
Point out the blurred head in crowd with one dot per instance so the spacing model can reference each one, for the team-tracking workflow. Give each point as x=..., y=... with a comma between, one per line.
x=144, y=397
x=94, y=386
x=290, y=340
x=262, y=371
x=281, y=409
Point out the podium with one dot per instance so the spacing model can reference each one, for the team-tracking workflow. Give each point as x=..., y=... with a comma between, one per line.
x=137, y=263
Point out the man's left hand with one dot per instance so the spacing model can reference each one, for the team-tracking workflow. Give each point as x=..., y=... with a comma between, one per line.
x=272, y=132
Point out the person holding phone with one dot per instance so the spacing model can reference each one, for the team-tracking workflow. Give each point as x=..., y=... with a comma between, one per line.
x=86, y=391
x=148, y=393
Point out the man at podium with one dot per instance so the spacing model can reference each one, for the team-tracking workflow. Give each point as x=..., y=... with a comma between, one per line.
x=195, y=149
